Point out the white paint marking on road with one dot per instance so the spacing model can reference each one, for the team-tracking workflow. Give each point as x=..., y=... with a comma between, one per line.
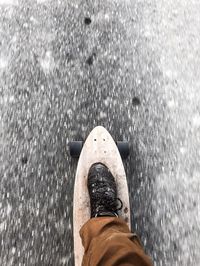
x=8, y=2
x=196, y=120
x=9, y=209
x=47, y=63
x=3, y=62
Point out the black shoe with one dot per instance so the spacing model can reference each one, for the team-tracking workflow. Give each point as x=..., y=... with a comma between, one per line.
x=103, y=192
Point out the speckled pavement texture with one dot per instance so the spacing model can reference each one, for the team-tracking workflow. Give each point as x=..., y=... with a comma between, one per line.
x=67, y=66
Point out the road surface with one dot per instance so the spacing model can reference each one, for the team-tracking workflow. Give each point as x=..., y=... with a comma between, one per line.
x=67, y=66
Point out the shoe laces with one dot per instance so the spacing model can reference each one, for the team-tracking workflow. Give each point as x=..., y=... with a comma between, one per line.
x=109, y=205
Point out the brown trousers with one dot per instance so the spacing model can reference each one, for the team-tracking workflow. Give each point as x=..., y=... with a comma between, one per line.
x=109, y=242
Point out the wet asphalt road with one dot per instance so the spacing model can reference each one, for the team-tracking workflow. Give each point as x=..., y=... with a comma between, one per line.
x=67, y=66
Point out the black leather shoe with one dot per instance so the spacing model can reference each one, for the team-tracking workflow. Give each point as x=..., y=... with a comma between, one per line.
x=103, y=192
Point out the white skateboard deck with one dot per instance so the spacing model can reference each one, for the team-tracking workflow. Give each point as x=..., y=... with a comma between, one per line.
x=98, y=147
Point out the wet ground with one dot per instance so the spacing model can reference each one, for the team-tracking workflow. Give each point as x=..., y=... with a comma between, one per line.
x=67, y=66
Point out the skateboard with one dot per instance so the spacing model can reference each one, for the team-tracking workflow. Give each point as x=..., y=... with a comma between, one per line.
x=98, y=147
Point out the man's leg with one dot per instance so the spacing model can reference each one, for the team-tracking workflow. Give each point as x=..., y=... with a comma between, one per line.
x=106, y=238
x=109, y=242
